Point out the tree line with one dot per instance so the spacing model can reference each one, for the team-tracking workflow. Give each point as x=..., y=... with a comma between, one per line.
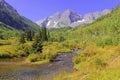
x=42, y=35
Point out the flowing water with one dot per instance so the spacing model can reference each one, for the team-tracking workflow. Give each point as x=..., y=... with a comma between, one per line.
x=17, y=69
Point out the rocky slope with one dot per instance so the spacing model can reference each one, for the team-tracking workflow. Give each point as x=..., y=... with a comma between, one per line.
x=70, y=18
x=10, y=17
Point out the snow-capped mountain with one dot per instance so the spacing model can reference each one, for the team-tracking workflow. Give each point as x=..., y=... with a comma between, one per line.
x=70, y=18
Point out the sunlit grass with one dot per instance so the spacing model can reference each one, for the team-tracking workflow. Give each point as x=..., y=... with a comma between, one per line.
x=96, y=63
x=93, y=63
x=49, y=52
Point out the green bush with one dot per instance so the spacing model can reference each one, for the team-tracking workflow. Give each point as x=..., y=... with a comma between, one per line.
x=5, y=55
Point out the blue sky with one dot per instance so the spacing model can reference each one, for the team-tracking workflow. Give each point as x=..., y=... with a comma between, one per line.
x=38, y=9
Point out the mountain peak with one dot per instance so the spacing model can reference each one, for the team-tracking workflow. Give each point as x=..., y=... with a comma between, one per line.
x=71, y=16
x=68, y=18
x=69, y=11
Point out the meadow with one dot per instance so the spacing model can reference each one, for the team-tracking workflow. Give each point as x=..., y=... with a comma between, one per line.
x=100, y=41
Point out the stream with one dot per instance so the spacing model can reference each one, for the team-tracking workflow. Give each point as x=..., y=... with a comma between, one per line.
x=17, y=69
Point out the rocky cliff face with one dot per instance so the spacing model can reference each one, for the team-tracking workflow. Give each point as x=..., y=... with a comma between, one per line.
x=9, y=16
x=70, y=18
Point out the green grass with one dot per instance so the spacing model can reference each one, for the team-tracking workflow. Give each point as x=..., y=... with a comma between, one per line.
x=105, y=31
x=100, y=41
x=50, y=50
x=103, y=65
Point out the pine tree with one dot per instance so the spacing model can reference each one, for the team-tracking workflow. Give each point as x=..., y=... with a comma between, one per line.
x=48, y=36
x=22, y=38
x=29, y=35
x=40, y=37
x=37, y=45
x=44, y=34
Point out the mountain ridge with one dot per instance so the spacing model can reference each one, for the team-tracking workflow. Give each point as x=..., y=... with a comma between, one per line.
x=70, y=18
x=10, y=16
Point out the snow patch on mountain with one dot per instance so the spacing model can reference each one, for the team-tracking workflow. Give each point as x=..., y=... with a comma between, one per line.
x=70, y=18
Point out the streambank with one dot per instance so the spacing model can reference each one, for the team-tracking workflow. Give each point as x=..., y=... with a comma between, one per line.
x=61, y=63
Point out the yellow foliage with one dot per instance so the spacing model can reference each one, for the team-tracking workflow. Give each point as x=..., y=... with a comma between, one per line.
x=101, y=64
x=7, y=48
